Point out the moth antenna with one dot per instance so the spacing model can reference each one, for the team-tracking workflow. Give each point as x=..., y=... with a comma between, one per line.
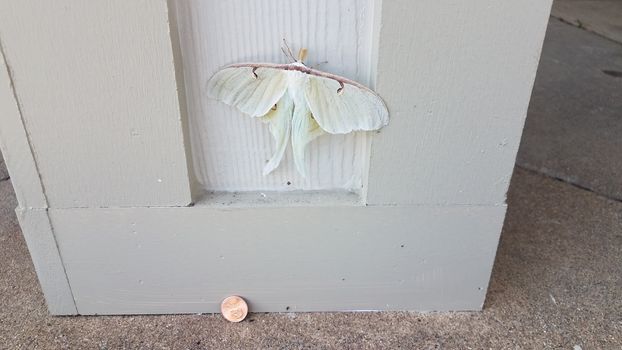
x=285, y=53
x=291, y=55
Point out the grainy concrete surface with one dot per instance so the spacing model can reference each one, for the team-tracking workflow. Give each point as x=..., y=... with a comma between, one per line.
x=557, y=283
x=574, y=126
x=4, y=174
x=599, y=16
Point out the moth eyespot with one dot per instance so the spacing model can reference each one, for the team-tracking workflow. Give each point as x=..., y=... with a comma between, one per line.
x=340, y=90
x=254, y=73
x=274, y=108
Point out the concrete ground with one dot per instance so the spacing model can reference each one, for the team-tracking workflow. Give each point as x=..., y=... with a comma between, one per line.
x=557, y=280
x=598, y=16
x=574, y=125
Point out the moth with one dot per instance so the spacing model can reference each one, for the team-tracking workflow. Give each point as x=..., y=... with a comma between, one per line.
x=298, y=102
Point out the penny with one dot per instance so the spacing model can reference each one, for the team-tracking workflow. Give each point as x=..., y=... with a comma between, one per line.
x=234, y=308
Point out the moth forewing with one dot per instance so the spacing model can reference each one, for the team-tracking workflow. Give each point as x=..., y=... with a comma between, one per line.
x=252, y=91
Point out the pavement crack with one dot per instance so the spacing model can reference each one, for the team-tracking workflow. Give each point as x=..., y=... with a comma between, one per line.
x=573, y=184
x=582, y=26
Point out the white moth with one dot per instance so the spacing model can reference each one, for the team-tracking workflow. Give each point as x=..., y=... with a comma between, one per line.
x=298, y=102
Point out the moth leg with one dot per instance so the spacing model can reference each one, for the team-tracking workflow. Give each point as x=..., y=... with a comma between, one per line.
x=319, y=64
x=289, y=51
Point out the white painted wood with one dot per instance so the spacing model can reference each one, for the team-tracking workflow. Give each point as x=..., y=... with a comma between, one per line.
x=41, y=243
x=457, y=77
x=15, y=145
x=230, y=149
x=96, y=86
x=186, y=260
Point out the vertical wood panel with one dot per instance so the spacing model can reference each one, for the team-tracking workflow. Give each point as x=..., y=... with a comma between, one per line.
x=96, y=85
x=16, y=146
x=230, y=149
x=457, y=77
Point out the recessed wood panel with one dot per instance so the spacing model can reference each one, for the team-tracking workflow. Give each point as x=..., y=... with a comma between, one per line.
x=229, y=148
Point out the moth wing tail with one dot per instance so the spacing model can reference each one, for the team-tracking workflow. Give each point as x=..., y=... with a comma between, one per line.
x=254, y=90
x=280, y=120
x=304, y=130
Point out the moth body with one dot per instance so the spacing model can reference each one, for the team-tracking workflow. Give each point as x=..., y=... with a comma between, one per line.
x=295, y=82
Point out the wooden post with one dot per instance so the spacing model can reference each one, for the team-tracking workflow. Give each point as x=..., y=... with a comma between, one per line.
x=104, y=124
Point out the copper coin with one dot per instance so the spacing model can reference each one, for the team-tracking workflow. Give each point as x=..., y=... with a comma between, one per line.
x=234, y=308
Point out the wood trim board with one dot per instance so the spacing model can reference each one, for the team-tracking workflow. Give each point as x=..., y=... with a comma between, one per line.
x=187, y=260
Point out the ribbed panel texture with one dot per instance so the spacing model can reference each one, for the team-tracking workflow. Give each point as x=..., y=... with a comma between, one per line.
x=230, y=149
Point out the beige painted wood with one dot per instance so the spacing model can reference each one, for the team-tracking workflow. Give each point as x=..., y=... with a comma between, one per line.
x=96, y=85
x=15, y=145
x=41, y=243
x=96, y=108
x=457, y=78
x=32, y=204
x=187, y=260
x=195, y=186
